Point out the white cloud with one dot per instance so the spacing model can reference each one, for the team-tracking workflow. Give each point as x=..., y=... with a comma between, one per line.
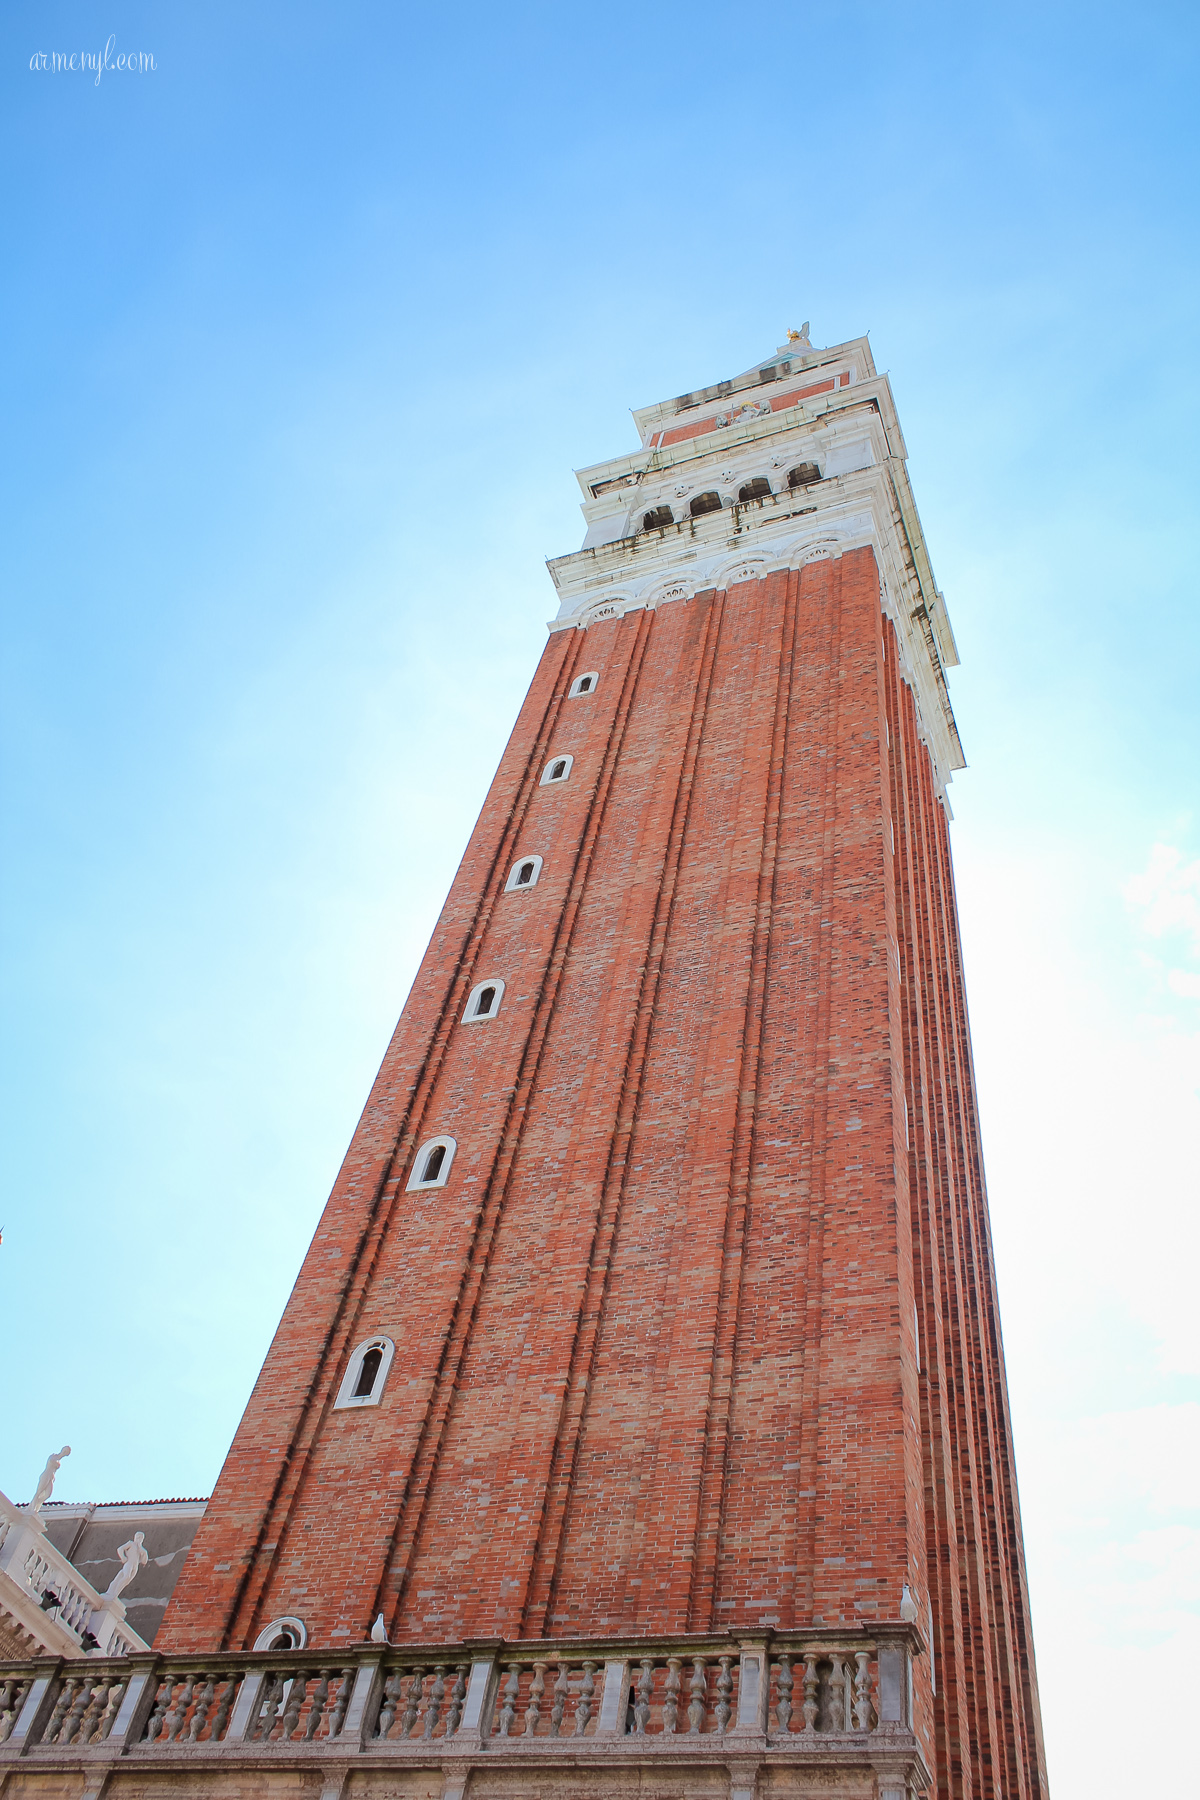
x=1088, y=1056
x=1167, y=895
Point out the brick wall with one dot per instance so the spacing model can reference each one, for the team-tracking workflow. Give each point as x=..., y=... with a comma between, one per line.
x=657, y=1338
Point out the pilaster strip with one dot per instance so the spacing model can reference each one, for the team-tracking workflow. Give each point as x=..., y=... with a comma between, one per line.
x=814, y=1179
x=561, y=1485
x=709, y=1522
x=412, y=1513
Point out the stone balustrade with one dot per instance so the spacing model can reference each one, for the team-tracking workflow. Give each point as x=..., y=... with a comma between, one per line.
x=825, y=1696
x=47, y=1594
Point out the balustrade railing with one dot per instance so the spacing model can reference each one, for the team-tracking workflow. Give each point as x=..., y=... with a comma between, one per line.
x=789, y=1690
x=13, y=1694
x=43, y=1574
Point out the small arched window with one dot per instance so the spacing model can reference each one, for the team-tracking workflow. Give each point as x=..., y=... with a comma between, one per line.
x=706, y=503
x=366, y=1372
x=431, y=1165
x=803, y=475
x=557, y=769
x=366, y=1375
x=583, y=684
x=523, y=874
x=758, y=489
x=657, y=518
x=483, y=1002
x=287, y=1633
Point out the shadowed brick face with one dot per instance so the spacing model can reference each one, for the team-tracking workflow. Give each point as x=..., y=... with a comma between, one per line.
x=702, y=1330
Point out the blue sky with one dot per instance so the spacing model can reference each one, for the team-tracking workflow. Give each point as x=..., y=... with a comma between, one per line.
x=303, y=334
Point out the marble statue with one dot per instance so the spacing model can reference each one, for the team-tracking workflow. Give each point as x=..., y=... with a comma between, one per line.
x=45, y=1486
x=134, y=1556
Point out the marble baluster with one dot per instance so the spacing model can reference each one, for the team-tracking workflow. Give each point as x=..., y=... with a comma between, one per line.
x=457, y=1695
x=583, y=1710
x=562, y=1689
x=62, y=1707
x=670, y=1713
x=724, y=1689
x=645, y=1690
x=437, y=1694
x=412, y=1705
x=203, y=1706
x=393, y=1687
x=784, y=1682
x=698, y=1688
x=316, y=1710
x=295, y=1702
x=508, y=1711
x=224, y=1708
x=863, y=1710
x=116, y=1694
x=337, y=1717
x=533, y=1708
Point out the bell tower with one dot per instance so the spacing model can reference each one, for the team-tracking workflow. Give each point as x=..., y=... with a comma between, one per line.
x=651, y=1324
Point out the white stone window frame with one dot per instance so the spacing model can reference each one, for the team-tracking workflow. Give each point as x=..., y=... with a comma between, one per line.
x=415, y=1184
x=551, y=780
x=513, y=886
x=577, y=692
x=288, y=1622
x=470, y=1016
x=346, y=1397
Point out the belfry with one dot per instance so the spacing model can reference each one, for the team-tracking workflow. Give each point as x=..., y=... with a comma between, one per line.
x=638, y=1422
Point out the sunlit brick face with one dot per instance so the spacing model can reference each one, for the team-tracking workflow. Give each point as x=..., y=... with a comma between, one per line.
x=699, y=1331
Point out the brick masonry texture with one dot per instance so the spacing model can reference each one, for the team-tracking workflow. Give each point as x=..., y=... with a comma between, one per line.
x=702, y=1331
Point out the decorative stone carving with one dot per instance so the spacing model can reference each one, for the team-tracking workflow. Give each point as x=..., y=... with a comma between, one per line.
x=674, y=590
x=744, y=415
x=45, y=1486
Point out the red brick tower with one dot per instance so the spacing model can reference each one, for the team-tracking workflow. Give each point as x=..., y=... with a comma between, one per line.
x=654, y=1303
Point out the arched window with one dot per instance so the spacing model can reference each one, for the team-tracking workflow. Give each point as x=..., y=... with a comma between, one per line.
x=483, y=1002
x=366, y=1372
x=366, y=1375
x=803, y=475
x=583, y=684
x=657, y=517
x=287, y=1633
x=758, y=489
x=431, y=1165
x=523, y=874
x=706, y=503
x=557, y=769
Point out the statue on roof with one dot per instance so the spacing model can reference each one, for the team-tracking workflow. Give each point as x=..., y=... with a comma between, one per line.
x=134, y=1557
x=45, y=1486
x=800, y=338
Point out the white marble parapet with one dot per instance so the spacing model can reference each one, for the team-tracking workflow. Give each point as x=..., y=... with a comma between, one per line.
x=78, y=1618
x=827, y=1699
